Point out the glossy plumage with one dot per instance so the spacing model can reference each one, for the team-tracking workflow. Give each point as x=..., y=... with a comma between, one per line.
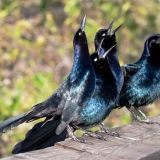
x=142, y=85
x=109, y=81
x=80, y=80
x=42, y=135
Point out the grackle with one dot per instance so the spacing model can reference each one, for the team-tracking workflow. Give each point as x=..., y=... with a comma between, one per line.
x=107, y=67
x=141, y=85
x=75, y=90
x=109, y=81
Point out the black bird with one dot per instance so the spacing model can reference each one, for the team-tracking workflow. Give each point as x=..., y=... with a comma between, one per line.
x=107, y=67
x=141, y=85
x=132, y=68
x=109, y=81
x=75, y=90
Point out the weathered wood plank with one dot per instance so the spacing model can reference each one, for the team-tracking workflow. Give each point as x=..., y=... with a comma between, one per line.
x=143, y=145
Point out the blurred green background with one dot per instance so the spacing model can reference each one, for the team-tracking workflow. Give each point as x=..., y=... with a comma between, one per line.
x=36, y=49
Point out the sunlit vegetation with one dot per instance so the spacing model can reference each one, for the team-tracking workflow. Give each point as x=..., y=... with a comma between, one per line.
x=36, y=49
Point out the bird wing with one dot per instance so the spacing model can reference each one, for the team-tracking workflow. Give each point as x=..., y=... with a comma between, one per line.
x=131, y=69
x=75, y=102
x=44, y=109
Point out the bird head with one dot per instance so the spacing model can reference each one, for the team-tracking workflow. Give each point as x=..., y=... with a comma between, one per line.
x=154, y=44
x=105, y=40
x=105, y=59
x=80, y=36
x=105, y=43
x=151, y=46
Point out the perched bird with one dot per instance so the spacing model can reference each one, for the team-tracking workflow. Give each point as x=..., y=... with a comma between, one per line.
x=109, y=81
x=100, y=104
x=141, y=85
x=75, y=90
x=107, y=67
x=132, y=68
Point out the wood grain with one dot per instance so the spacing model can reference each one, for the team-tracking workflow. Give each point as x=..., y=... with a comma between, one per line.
x=139, y=142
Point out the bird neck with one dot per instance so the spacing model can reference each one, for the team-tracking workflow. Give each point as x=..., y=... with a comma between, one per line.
x=110, y=76
x=82, y=62
x=114, y=65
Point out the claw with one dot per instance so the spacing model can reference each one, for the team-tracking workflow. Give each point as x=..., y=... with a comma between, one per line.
x=91, y=134
x=107, y=131
x=94, y=135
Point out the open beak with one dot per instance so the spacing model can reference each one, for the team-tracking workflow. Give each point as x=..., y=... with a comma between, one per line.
x=106, y=53
x=115, y=30
x=101, y=53
x=83, y=23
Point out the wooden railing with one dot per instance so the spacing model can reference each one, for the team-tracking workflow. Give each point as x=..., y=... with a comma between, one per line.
x=139, y=142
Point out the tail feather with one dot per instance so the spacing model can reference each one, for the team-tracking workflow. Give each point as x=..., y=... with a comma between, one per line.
x=12, y=122
x=38, y=111
x=42, y=135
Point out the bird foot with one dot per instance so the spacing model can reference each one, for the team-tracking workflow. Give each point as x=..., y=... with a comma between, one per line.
x=72, y=136
x=147, y=122
x=140, y=117
x=113, y=134
x=91, y=134
x=81, y=140
x=103, y=129
x=94, y=135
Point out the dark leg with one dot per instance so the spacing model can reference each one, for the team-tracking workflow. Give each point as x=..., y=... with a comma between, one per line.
x=143, y=118
x=140, y=116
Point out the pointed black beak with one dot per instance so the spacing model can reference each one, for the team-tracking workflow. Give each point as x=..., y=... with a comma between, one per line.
x=110, y=26
x=106, y=53
x=83, y=23
x=119, y=27
x=101, y=53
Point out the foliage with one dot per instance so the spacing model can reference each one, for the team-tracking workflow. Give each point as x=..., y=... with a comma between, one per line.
x=36, y=46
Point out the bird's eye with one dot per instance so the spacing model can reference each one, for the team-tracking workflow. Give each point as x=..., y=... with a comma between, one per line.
x=95, y=60
x=103, y=35
x=153, y=41
x=80, y=33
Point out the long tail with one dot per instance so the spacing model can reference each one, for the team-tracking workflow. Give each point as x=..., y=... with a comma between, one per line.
x=42, y=135
x=38, y=111
x=13, y=122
